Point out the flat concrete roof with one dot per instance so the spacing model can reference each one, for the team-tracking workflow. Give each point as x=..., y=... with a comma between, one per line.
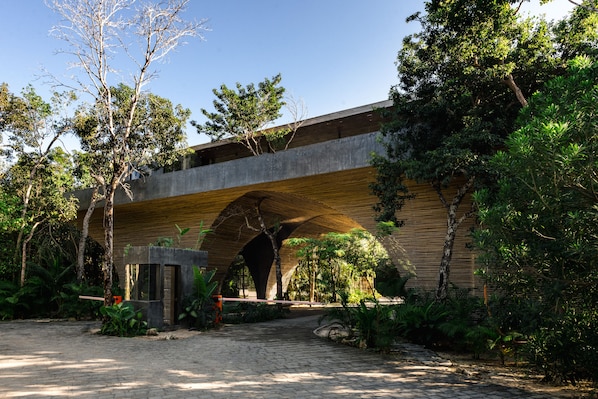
x=311, y=121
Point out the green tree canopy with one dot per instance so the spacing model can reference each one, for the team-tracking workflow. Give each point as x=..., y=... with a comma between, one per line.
x=244, y=113
x=462, y=81
x=35, y=184
x=539, y=227
x=156, y=138
x=332, y=263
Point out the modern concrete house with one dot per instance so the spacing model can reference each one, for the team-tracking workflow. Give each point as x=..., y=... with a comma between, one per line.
x=319, y=184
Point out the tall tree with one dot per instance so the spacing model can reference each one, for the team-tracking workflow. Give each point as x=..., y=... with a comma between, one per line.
x=462, y=81
x=539, y=227
x=157, y=139
x=42, y=184
x=337, y=261
x=260, y=222
x=90, y=171
x=96, y=32
x=269, y=228
x=33, y=127
x=244, y=115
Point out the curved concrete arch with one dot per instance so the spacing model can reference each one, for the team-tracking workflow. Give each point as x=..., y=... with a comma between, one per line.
x=322, y=182
x=296, y=215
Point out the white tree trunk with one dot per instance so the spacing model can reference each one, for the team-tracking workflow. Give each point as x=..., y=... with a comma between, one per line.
x=84, y=235
x=453, y=224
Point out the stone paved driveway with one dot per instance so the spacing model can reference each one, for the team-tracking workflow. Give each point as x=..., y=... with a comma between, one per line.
x=278, y=359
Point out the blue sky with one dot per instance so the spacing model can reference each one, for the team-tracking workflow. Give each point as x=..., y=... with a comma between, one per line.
x=332, y=54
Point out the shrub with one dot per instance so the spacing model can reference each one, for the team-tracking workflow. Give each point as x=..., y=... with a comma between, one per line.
x=422, y=324
x=566, y=348
x=479, y=339
x=70, y=305
x=374, y=322
x=389, y=282
x=122, y=320
x=199, y=309
x=8, y=299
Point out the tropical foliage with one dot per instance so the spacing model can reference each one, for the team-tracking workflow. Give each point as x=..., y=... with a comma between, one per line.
x=122, y=320
x=37, y=254
x=237, y=281
x=36, y=183
x=200, y=311
x=247, y=312
x=462, y=81
x=337, y=264
x=244, y=113
x=459, y=323
x=539, y=227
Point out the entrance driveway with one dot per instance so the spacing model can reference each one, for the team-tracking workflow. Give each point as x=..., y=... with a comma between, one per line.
x=277, y=359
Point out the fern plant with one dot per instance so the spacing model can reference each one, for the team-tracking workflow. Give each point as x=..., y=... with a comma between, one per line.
x=422, y=324
x=374, y=322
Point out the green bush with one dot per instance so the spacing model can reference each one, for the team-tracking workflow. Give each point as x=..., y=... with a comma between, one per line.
x=479, y=339
x=376, y=326
x=539, y=223
x=71, y=306
x=8, y=299
x=199, y=309
x=514, y=313
x=562, y=343
x=375, y=323
x=357, y=296
x=30, y=300
x=389, y=282
x=121, y=320
x=566, y=348
x=422, y=324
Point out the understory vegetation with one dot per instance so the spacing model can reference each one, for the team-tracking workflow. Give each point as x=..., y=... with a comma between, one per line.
x=244, y=312
x=122, y=320
x=51, y=288
x=563, y=348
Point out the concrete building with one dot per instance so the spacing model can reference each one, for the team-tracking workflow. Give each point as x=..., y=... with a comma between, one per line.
x=319, y=184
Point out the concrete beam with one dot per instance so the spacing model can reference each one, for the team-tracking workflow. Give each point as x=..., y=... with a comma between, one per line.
x=331, y=156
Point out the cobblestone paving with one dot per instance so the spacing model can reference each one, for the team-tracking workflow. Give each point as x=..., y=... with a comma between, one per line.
x=278, y=359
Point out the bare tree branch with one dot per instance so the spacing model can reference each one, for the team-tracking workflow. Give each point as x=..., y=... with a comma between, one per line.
x=100, y=33
x=298, y=111
x=590, y=8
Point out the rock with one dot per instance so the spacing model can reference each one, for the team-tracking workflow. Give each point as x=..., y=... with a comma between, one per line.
x=334, y=331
